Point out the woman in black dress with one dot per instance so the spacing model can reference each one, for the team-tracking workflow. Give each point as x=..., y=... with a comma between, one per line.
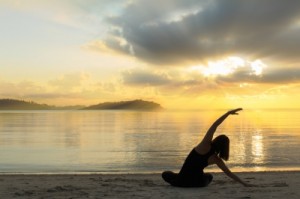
x=209, y=151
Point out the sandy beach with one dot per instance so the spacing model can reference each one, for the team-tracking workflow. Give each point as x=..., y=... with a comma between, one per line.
x=283, y=184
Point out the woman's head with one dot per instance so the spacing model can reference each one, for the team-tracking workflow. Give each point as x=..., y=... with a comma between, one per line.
x=221, y=146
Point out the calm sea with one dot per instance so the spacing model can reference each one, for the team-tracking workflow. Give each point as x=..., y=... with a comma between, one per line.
x=142, y=142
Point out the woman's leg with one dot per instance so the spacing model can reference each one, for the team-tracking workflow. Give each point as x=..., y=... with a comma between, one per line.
x=200, y=181
x=170, y=177
x=175, y=180
x=207, y=178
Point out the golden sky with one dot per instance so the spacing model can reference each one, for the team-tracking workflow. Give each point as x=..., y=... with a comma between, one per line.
x=182, y=54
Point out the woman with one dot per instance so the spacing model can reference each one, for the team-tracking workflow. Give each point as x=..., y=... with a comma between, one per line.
x=209, y=151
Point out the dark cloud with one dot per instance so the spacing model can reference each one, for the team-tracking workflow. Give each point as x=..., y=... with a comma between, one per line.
x=282, y=76
x=144, y=78
x=190, y=82
x=171, y=83
x=155, y=32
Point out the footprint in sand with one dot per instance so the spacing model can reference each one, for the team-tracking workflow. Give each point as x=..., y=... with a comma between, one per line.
x=279, y=184
x=219, y=182
x=24, y=193
x=63, y=188
x=283, y=184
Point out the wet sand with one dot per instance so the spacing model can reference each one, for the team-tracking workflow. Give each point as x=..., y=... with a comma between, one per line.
x=283, y=184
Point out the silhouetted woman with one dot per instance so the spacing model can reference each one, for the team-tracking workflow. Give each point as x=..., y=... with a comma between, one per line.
x=209, y=151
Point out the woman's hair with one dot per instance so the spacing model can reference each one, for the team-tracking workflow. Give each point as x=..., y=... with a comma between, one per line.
x=221, y=146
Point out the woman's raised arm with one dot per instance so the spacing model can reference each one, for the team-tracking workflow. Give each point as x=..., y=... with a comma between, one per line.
x=210, y=133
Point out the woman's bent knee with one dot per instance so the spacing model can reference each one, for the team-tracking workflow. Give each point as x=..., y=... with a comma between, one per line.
x=208, y=178
x=170, y=177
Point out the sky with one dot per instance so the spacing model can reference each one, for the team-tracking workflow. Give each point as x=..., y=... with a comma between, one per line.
x=183, y=54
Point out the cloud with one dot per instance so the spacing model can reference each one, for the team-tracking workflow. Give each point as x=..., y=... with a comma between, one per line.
x=8, y=89
x=69, y=82
x=241, y=76
x=76, y=15
x=173, y=82
x=73, y=88
x=144, y=78
x=275, y=76
x=178, y=32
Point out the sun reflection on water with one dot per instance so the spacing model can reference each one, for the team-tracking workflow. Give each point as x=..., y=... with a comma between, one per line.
x=257, y=148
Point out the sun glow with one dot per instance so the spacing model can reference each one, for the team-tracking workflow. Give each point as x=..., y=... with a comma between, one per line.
x=223, y=67
x=257, y=67
x=230, y=65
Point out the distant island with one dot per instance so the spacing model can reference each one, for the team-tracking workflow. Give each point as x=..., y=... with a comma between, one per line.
x=13, y=104
x=126, y=105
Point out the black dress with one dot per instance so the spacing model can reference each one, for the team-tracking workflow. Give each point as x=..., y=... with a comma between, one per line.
x=191, y=173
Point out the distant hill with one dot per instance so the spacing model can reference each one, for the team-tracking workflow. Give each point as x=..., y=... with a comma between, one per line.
x=126, y=105
x=12, y=104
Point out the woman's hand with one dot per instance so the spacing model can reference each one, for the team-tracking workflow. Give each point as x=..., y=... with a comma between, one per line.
x=234, y=111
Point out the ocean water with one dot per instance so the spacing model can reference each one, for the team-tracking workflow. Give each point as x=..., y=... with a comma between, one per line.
x=142, y=142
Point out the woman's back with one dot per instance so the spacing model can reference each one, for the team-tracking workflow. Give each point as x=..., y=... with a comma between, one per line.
x=195, y=162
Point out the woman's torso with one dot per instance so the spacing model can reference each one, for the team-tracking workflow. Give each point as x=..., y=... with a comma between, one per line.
x=196, y=162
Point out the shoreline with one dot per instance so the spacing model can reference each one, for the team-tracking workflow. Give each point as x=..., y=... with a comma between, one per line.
x=135, y=173
x=269, y=170
x=271, y=184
